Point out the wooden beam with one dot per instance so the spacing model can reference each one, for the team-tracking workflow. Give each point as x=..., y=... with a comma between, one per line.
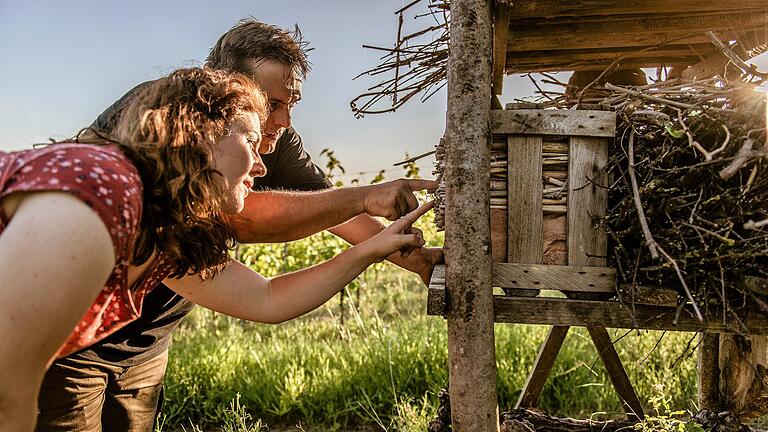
x=525, y=219
x=545, y=359
x=590, y=313
x=553, y=35
x=553, y=122
x=562, y=8
x=471, y=348
x=554, y=277
x=616, y=372
x=500, y=31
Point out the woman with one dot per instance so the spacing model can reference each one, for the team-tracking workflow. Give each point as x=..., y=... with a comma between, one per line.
x=110, y=221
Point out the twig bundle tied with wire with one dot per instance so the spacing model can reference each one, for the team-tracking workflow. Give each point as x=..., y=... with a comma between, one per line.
x=690, y=191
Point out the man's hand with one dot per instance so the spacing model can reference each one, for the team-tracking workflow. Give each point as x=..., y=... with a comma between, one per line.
x=421, y=261
x=394, y=199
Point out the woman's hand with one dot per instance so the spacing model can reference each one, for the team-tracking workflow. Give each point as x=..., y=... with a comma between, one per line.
x=399, y=236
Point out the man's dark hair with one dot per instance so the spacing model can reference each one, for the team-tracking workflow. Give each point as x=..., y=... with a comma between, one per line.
x=251, y=39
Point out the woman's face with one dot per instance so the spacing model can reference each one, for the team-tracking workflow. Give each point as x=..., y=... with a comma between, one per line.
x=237, y=157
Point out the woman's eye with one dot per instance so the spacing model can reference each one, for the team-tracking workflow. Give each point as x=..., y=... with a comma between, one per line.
x=254, y=145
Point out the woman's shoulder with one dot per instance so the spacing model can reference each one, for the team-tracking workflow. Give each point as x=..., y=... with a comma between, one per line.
x=99, y=175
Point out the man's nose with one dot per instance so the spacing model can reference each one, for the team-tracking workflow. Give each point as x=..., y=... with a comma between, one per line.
x=282, y=117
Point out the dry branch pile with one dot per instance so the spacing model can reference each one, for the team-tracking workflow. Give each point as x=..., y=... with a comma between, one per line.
x=690, y=190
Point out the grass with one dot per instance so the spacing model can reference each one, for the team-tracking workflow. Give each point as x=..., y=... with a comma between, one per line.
x=381, y=368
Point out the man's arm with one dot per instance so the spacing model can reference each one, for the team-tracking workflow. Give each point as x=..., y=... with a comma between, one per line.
x=421, y=261
x=280, y=216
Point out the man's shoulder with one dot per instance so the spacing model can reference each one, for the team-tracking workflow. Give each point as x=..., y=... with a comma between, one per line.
x=108, y=119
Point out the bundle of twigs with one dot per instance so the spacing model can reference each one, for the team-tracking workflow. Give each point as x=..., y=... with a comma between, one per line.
x=690, y=192
x=416, y=64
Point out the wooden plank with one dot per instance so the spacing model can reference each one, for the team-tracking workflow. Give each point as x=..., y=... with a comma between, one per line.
x=500, y=31
x=560, y=8
x=709, y=372
x=587, y=199
x=616, y=372
x=545, y=359
x=518, y=57
x=589, y=313
x=471, y=343
x=600, y=65
x=552, y=122
x=554, y=277
x=553, y=35
x=499, y=234
x=525, y=218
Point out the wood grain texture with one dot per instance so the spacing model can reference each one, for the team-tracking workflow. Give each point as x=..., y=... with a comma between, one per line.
x=524, y=217
x=587, y=200
x=499, y=234
x=553, y=122
x=554, y=277
x=563, y=8
x=545, y=359
x=500, y=31
x=589, y=313
x=616, y=372
x=631, y=31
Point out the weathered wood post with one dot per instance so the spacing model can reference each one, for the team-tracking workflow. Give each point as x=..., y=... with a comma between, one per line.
x=471, y=350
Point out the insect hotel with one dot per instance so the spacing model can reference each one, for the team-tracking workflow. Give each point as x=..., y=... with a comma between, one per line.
x=524, y=187
x=631, y=202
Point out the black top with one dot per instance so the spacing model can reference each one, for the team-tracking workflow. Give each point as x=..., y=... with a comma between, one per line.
x=288, y=167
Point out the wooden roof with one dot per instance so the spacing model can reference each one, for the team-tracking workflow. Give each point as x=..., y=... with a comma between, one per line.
x=559, y=35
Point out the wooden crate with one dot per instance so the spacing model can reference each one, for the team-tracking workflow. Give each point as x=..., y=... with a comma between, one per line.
x=542, y=243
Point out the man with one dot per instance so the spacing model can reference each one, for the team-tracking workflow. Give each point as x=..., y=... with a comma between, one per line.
x=117, y=384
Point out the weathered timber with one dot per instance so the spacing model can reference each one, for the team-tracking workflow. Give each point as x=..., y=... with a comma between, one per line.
x=743, y=362
x=625, y=32
x=500, y=30
x=525, y=218
x=499, y=234
x=709, y=373
x=562, y=8
x=471, y=349
x=587, y=199
x=545, y=359
x=562, y=122
x=616, y=372
x=554, y=277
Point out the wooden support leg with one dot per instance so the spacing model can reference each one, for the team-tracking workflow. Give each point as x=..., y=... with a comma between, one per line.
x=616, y=371
x=709, y=372
x=541, y=368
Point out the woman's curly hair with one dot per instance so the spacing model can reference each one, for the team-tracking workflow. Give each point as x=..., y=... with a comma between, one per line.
x=169, y=131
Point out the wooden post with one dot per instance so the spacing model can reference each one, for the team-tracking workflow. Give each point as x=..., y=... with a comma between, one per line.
x=471, y=350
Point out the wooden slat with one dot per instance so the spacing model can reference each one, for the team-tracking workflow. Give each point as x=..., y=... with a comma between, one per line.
x=532, y=57
x=587, y=199
x=554, y=277
x=436, y=291
x=547, y=35
x=499, y=234
x=616, y=372
x=545, y=359
x=560, y=8
x=500, y=31
x=601, y=65
x=553, y=122
x=588, y=313
x=525, y=218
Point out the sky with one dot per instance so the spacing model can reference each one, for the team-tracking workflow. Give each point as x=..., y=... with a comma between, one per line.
x=64, y=62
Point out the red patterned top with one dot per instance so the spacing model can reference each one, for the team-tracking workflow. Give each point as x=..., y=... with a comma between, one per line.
x=104, y=179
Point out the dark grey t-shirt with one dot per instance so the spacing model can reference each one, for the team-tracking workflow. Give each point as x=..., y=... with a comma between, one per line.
x=288, y=167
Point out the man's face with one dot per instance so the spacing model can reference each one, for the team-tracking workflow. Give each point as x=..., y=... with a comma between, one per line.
x=283, y=89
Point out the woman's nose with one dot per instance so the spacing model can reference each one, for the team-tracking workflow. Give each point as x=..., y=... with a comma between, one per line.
x=258, y=169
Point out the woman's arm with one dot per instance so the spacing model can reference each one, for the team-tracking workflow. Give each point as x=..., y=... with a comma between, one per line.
x=55, y=256
x=240, y=292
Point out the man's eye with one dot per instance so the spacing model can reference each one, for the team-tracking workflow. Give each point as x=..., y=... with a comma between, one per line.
x=254, y=145
x=273, y=105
